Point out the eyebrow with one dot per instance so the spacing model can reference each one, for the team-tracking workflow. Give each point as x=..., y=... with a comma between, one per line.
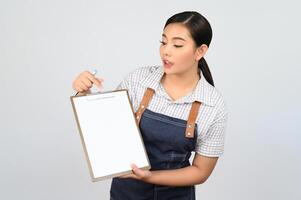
x=174, y=38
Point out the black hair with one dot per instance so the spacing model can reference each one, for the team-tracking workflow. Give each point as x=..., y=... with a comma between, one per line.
x=201, y=33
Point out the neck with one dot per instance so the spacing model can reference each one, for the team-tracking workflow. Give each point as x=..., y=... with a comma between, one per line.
x=183, y=82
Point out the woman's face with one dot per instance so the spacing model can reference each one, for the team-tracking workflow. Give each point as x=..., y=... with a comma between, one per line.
x=177, y=50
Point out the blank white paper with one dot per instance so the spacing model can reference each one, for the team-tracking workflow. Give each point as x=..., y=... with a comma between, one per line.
x=110, y=133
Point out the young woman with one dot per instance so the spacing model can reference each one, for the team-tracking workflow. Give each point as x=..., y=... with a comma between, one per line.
x=178, y=110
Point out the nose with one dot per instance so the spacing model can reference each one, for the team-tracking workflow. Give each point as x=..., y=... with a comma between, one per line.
x=166, y=50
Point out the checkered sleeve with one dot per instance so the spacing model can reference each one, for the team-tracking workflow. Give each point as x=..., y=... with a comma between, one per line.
x=132, y=80
x=125, y=83
x=211, y=144
x=128, y=84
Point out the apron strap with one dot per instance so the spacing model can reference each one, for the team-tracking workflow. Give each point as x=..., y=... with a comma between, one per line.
x=189, y=133
x=144, y=103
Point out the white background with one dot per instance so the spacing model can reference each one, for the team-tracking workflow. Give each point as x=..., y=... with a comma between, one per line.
x=253, y=57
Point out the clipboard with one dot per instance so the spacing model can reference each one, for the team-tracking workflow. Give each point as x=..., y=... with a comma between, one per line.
x=109, y=133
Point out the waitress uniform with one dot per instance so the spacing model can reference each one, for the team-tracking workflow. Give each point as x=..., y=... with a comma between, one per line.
x=169, y=140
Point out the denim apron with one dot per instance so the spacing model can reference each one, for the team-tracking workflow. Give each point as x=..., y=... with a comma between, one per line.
x=168, y=142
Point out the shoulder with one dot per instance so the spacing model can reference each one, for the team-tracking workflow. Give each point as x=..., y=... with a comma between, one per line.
x=214, y=107
x=218, y=111
x=138, y=74
x=220, y=105
x=218, y=98
x=209, y=95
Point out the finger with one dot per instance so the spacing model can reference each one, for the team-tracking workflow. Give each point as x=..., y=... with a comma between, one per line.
x=133, y=166
x=137, y=171
x=128, y=176
x=82, y=86
x=100, y=81
x=78, y=89
x=93, y=79
x=87, y=82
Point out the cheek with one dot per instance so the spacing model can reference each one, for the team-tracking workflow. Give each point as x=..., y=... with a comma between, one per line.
x=185, y=56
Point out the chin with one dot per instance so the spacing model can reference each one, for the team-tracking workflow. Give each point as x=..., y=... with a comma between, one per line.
x=170, y=72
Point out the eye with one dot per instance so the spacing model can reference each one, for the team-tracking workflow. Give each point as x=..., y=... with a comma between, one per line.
x=163, y=43
x=178, y=46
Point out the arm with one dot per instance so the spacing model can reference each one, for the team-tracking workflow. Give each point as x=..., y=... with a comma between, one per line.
x=197, y=173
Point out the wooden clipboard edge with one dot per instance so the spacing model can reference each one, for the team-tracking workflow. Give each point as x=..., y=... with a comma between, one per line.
x=96, y=93
x=93, y=178
x=117, y=174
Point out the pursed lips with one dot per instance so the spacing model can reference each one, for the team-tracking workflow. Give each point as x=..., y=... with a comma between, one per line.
x=167, y=62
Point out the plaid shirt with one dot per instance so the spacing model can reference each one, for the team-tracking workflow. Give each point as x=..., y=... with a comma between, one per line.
x=212, y=117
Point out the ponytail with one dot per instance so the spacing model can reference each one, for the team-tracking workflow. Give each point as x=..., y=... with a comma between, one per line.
x=203, y=66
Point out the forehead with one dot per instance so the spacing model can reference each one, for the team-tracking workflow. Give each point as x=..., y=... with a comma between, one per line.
x=176, y=30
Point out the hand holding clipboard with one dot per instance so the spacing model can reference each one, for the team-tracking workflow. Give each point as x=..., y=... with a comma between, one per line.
x=108, y=129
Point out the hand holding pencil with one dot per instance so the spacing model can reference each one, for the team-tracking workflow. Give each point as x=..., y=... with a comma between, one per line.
x=85, y=80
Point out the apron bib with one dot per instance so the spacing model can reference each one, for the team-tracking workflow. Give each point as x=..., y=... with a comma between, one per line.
x=168, y=142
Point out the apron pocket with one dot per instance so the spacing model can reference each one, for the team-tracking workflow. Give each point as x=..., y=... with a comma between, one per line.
x=177, y=160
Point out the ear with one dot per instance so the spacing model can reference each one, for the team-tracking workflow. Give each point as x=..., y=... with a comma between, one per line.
x=200, y=52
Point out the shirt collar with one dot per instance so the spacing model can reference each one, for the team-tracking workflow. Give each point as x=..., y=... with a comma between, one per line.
x=202, y=92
